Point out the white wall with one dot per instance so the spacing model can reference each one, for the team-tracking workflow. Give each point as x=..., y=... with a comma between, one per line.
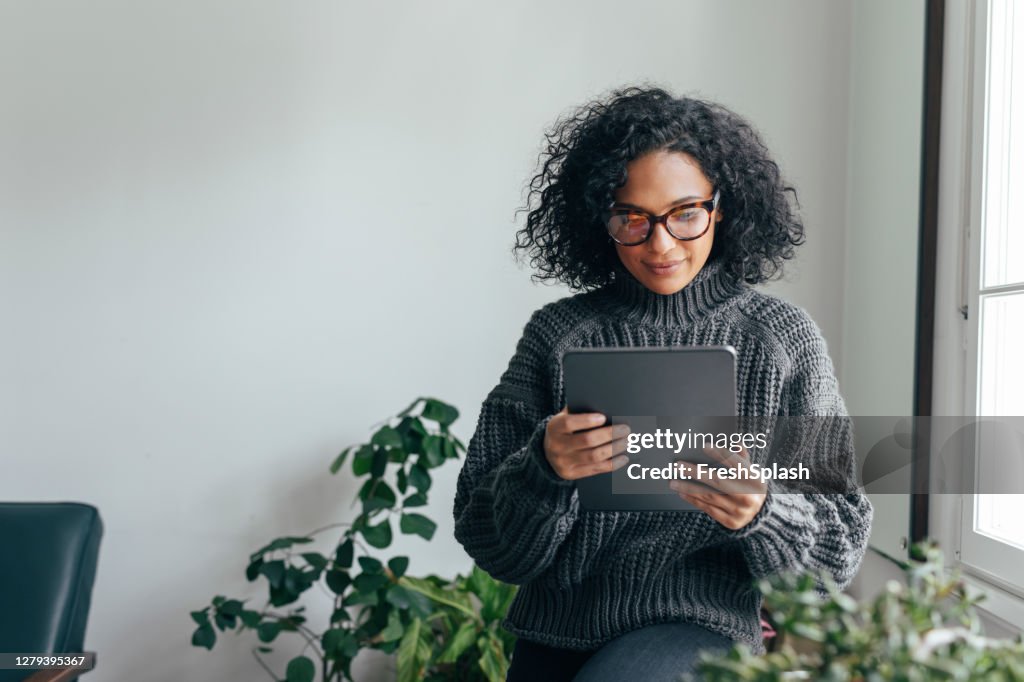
x=884, y=168
x=234, y=235
x=881, y=237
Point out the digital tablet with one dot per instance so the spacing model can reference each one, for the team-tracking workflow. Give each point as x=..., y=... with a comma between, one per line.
x=685, y=393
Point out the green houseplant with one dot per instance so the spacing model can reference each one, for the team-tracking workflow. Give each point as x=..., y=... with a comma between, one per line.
x=439, y=628
x=924, y=630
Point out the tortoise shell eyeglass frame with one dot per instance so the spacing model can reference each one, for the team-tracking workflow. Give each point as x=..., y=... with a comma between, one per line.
x=709, y=206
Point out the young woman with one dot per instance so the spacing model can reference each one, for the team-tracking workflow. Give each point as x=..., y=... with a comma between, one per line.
x=662, y=212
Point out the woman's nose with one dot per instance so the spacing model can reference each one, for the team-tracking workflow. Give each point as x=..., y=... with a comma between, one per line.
x=661, y=241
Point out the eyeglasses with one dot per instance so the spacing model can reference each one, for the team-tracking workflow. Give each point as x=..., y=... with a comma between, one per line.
x=632, y=226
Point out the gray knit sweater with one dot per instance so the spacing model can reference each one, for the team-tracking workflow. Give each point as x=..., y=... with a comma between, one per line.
x=589, y=576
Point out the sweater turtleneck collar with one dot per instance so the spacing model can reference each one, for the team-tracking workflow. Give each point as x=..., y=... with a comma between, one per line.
x=703, y=295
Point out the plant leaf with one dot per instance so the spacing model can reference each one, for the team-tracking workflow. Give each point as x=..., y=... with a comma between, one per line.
x=280, y=596
x=331, y=640
x=337, y=580
x=419, y=478
x=274, y=571
x=411, y=407
x=463, y=638
x=492, y=658
x=343, y=556
x=495, y=597
x=440, y=412
x=280, y=543
x=222, y=621
x=379, y=496
x=361, y=598
x=412, y=431
x=268, y=630
x=300, y=669
x=251, y=619
x=398, y=597
x=432, y=451
x=393, y=630
x=409, y=666
x=398, y=565
x=340, y=459
x=413, y=652
x=370, y=582
x=415, y=500
x=416, y=524
x=379, y=536
x=204, y=636
x=380, y=463
x=362, y=460
x=252, y=571
x=455, y=599
x=340, y=642
x=316, y=560
x=387, y=437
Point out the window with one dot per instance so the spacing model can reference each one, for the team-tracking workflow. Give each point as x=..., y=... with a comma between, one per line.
x=992, y=525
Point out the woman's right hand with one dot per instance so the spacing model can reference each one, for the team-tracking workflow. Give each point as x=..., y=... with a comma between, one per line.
x=575, y=448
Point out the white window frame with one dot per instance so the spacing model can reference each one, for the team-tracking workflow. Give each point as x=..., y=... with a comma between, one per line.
x=986, y=562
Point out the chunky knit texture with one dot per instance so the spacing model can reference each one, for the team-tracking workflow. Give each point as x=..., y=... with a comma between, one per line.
x=587, y=577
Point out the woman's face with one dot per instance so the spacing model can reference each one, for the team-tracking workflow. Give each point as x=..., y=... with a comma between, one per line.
x=658, y=182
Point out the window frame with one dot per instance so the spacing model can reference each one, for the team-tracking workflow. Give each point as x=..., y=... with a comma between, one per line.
x=985, y=561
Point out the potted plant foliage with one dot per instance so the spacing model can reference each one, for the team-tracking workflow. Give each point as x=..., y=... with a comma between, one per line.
x=927, y=629
x=438, y=628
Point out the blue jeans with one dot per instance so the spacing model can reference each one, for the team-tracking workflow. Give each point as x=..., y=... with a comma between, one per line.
x=652, y=654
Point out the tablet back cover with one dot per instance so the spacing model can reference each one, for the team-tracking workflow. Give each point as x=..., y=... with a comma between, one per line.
x=664, y=386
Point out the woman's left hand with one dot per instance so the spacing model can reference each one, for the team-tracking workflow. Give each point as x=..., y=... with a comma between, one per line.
x=733, y=502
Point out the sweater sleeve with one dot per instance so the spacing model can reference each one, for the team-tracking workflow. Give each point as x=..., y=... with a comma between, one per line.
x=812, y=531
x=512, y=511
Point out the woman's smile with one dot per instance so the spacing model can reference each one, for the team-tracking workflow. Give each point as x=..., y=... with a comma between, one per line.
x=664, y=268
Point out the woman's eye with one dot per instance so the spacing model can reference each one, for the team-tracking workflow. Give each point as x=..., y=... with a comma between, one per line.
x=687, y=215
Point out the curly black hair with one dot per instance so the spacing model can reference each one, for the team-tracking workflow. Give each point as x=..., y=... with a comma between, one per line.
x=584, y=161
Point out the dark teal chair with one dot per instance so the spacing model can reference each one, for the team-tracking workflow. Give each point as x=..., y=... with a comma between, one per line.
x=48, y=555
